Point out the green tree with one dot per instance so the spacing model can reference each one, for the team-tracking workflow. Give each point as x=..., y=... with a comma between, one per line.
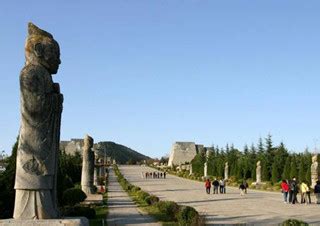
x=293, y=167
x=287, y=169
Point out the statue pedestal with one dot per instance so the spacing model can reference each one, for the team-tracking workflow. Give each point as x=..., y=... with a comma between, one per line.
x=81, y=221
x=93, y=199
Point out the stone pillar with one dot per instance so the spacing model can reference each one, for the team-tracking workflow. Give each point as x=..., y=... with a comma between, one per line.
x=87, y=166
x=190, y=170
x=226, y=171
x=314, y=170
x=205, y=169
x=258, y=173
x=95, y=176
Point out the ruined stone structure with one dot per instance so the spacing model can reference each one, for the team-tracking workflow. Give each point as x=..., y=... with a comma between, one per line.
x=73, y=146
x=205, y=169
x=38, y=148
x=182, y=152
x=314, y=170
x=87, y=175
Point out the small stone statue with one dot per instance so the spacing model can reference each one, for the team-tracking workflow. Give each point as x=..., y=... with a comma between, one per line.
x=258, y=173
x=87, y=175
x=226, y=171
x=39, y=137
x=314, y=170
x=190, y=168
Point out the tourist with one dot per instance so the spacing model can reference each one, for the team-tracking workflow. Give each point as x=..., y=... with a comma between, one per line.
x=293, y=190
x=308, y=194
x=317, y=191
x=215, y=184
x=242, y=189
x=285, y=190
x=222, y=189
x=164, y=174
x=208, y=186
x=304, y=189
x=246, y=186
x=161, y=175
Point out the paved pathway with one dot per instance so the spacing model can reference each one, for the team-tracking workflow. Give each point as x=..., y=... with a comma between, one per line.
x=121, y=209
x=257, y=207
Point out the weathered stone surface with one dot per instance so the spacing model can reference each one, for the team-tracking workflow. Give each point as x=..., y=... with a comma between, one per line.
x=182, y=152
x=314, y=170
x=87, y=166
x=38, y=148
x=258, y=173
x=81, y=221
x=226, y=171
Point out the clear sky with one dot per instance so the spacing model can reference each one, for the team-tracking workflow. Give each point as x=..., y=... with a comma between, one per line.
x=148, y=73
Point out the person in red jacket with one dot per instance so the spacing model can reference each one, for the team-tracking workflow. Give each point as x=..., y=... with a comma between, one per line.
x=208, y=186
x=285, y=190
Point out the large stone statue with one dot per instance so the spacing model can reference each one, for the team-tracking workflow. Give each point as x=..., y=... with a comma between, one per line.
x=226, y=171
x=87, y=166
x=205, y=169
x=258, y=173
x=314, y=170
x=39, y=138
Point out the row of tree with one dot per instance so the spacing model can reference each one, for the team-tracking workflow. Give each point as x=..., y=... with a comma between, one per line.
x=276, y=162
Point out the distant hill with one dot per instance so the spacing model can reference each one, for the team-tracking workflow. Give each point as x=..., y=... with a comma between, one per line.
x=120, y=153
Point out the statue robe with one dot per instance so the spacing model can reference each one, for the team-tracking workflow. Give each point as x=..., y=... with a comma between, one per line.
x=38, y=149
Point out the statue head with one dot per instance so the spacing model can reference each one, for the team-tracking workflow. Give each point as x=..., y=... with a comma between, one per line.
x=258, y=163
x=42, y=49
x=88, y=142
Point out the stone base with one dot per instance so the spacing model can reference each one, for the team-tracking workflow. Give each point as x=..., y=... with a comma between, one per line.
x=81, y=221
x=93, y=199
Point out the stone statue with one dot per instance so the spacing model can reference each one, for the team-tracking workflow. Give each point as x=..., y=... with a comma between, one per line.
x=87, y=166
x=205, y=173
x=258, y=173
x=39, y=136
x=226, y=171
x=314, y=170
x=190, y=173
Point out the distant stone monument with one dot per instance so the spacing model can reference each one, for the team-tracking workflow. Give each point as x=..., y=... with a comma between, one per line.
x=226, y=171
x=314, y=170
x=87, y=166
x=182, y=152
x=258, y=173
x=38, y=148
x=205, y=169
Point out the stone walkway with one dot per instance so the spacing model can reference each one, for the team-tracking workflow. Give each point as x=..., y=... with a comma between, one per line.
x=121, y=209
x=257, y=207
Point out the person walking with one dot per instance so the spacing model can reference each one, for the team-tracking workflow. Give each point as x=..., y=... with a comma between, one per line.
x=304, y=189
x=245, y=183
x=285, y=190
x=293, y=190
x=215, y=184
x=207, y=186
x=164, y=174
x=242, y=188
x=221, y=186
x=317, y=191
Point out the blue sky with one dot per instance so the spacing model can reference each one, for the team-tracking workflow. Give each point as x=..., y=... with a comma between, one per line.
x=148, y=73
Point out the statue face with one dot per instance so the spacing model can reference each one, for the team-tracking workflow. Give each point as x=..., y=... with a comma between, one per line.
x=52, y=57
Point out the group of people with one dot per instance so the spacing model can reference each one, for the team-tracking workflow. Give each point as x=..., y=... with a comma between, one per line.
x=218, y=186
x=243, y=188
x=154, y=175
x=291, y=188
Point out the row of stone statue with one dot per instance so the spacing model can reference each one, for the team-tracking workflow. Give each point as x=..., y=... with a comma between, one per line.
x=314, y=171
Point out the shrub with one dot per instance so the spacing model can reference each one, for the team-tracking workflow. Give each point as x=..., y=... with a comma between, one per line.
x=293, y=222
x=188, y=216
x=142, y=195
x=168, y=208
x=73, y=196
x=135, y=189
x=79, y=211
x=152, y=199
